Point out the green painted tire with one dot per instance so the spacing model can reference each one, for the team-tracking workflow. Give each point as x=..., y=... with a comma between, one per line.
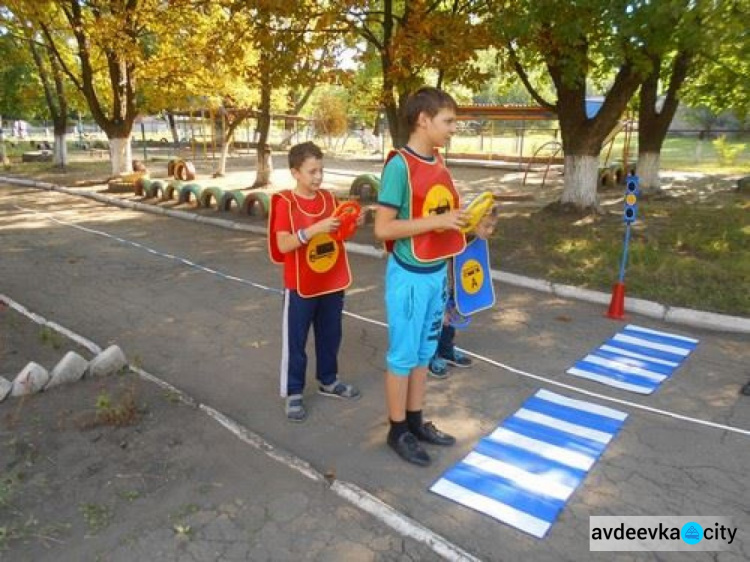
x=264, y=199
x=231, y=199
x=187, y=190
x=155, y=188
x=255, y=204
x=172, y=186
x=365, y=188
x=208, y=194
x=141, y=186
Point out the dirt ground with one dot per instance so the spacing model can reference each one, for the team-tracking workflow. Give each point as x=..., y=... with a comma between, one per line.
x=81, y=459
x=117, y=468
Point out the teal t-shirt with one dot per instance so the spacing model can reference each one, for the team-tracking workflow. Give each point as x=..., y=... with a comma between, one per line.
x=394, y=193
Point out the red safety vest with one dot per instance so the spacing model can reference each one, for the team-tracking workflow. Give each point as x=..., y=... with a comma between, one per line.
x=431, y=191
x=321, y=266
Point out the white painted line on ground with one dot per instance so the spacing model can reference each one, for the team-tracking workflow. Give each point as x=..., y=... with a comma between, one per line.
x=351, y=493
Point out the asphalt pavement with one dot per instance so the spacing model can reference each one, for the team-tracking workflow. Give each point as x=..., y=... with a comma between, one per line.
x=115, y=275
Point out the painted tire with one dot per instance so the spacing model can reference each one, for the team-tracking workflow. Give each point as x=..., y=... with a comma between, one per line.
x=172, y=186
x=208, y=194
x=156, y=188
x=184, y=170
x=248, y=204
x=139, y=188
x=365, y=188
x=187, y=190
x=255, y=204
x=230, y=199
x=264, y=201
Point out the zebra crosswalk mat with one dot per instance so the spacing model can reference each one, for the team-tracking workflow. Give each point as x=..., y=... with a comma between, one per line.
x=636, y=359
x=525, y=471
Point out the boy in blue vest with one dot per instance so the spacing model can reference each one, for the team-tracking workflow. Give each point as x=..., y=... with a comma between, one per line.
x=447, y=355
x=420, y=219
x=316, y=273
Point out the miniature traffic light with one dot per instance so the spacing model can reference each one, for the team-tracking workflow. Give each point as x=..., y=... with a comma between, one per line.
x=632, y=191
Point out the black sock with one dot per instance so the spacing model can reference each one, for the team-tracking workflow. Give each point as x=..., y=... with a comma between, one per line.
x=414, y=420
x=398, y=429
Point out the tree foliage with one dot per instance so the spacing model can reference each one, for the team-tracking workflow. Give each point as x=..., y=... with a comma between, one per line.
x=720, y=81
x=410, y=38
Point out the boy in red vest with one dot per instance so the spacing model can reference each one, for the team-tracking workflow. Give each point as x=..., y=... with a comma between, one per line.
x=316, y=272
x=420, y=218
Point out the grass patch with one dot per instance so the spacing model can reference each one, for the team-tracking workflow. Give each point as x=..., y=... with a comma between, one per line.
x=681, y=253
x=97, y=516
x=48, y=336
x=117, y=411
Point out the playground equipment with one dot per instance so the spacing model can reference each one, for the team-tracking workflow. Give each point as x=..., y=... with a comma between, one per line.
x=554, y=148
x=613, y=173
x=245, y=201
x=616, y=309
x=181, y=169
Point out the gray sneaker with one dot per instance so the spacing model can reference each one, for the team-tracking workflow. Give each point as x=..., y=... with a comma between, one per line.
x=338, y=389
x=295, y=408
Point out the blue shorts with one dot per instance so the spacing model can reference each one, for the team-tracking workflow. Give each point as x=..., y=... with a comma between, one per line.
x=414, y=304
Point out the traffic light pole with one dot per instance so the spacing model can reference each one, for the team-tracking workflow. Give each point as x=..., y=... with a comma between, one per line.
x=624, y=260
x=616, y=309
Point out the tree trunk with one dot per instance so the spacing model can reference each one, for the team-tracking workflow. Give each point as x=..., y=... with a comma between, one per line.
x=264, y=164
x=173, y=129
x=237, y=120
x=648, y=170
x=581, y=177
x=397, y=128
x=3, y=156
x=221, y=167
x=653, y=123
x=61, y=151
x=121, y=155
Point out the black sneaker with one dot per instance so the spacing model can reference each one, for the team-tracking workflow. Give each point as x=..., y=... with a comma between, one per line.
x=431, y=434
x=408, y=448
x=438, y=368
x=746, y=389
x=457, y=359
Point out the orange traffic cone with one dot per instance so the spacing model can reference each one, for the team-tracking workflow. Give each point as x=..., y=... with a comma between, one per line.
x=617, y=304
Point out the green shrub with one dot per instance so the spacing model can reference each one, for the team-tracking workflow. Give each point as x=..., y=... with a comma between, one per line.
x=727, y=152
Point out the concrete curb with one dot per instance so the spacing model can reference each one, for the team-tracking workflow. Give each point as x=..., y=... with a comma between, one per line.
x=70, y=368
x=5, y=388
x=108, y=362
x=32, y=379
x=674, y=315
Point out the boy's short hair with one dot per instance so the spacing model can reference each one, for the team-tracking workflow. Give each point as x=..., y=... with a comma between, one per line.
x=301, y=152
x=429, y=100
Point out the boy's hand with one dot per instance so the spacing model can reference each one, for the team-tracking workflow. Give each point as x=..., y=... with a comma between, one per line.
x=326, y=225
x=452, y=220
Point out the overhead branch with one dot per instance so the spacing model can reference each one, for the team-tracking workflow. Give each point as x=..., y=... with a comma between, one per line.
x=521, y=71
